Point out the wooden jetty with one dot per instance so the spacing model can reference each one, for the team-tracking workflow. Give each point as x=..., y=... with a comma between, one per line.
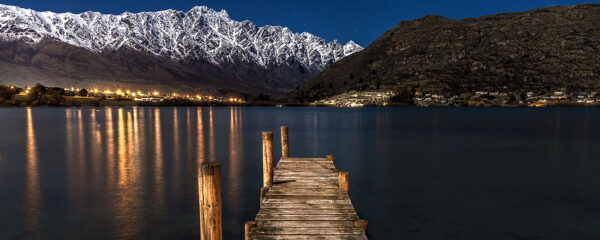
x=303, y=198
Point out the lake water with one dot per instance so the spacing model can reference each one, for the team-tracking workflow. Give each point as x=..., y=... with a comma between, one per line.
x=415, y=173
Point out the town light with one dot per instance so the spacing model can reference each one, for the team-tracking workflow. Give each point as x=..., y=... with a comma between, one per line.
x=155, y=93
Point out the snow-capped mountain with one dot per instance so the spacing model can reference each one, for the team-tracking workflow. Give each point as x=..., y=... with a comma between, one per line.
x=198, y=34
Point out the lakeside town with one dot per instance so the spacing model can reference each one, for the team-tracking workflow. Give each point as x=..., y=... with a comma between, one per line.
x=475, y=99
x=40, y=95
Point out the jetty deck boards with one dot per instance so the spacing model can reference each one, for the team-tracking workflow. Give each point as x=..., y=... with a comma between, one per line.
x=306, y=202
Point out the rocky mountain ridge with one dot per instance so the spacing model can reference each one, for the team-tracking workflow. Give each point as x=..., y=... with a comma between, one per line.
x=195, y=39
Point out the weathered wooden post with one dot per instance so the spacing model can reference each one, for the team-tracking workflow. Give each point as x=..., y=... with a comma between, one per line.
x=209, y=184
x=362, y=223
x=330, y=157
x=285, y=144
x=247, y=227
x=267, y=138
x=343, y=179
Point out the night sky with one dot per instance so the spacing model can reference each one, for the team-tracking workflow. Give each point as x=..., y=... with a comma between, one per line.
x=361, y=21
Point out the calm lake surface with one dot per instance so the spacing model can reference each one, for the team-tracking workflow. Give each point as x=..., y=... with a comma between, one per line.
x=415, y=173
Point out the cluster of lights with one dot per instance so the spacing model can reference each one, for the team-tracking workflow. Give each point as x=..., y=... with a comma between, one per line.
x=128, y=92
x=235, y=99
x=139, y=93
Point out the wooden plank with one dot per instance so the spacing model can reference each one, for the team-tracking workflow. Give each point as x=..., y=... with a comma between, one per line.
x=283, y=184
x=271, y=196
x=309, y=217
x=308, y=231
x=296, y=169
x=306, y=191
x=301, y=237
x=308, y=164
x=308, y=201
x=329, y=175
x=316, y=224
x=305, y=161
x=306, y=211
x=283, y=172
x=315, y=177
x=315, y=163
x=293, y=159
x=304, y=185
x=303, y=206
x=311, y=181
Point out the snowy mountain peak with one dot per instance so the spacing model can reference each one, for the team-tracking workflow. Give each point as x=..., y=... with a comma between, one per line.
x=198, y=34
x=351, y=47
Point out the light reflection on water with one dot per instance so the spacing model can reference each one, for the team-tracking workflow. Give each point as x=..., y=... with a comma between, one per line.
x=32, y=205
x=97, y=173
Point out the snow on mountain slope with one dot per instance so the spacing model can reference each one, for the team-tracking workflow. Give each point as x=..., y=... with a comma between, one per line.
x=201, y=33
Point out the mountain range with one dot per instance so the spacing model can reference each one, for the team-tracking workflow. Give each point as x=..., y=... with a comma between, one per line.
x=542, y=50
x=198, y=50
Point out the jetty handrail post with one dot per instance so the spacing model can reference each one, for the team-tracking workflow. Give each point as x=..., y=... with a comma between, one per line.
x=285, y=144
x=362, y=223
x=267, y=138
x=343, y=180
x=247, y=226
x=209, y=184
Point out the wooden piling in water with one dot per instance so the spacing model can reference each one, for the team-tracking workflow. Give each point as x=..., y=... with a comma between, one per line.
x=343, y=179
x=267, y=138
x=209, y=184
x=285, y=144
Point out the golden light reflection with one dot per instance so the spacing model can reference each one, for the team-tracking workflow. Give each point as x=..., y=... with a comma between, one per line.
x=126, y=197
x=81, y=143
x=189, y=135
x=130, y=143
x=122, y=148
x=69, y=147
x=235, y=162
x=32, y=205
x=95, y=147
x=139, y=134
x=110, y=145
x=158, y=165
x=211, y=137
x=176, y=147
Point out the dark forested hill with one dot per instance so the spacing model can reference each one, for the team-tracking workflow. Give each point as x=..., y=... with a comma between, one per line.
x=538, y=50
